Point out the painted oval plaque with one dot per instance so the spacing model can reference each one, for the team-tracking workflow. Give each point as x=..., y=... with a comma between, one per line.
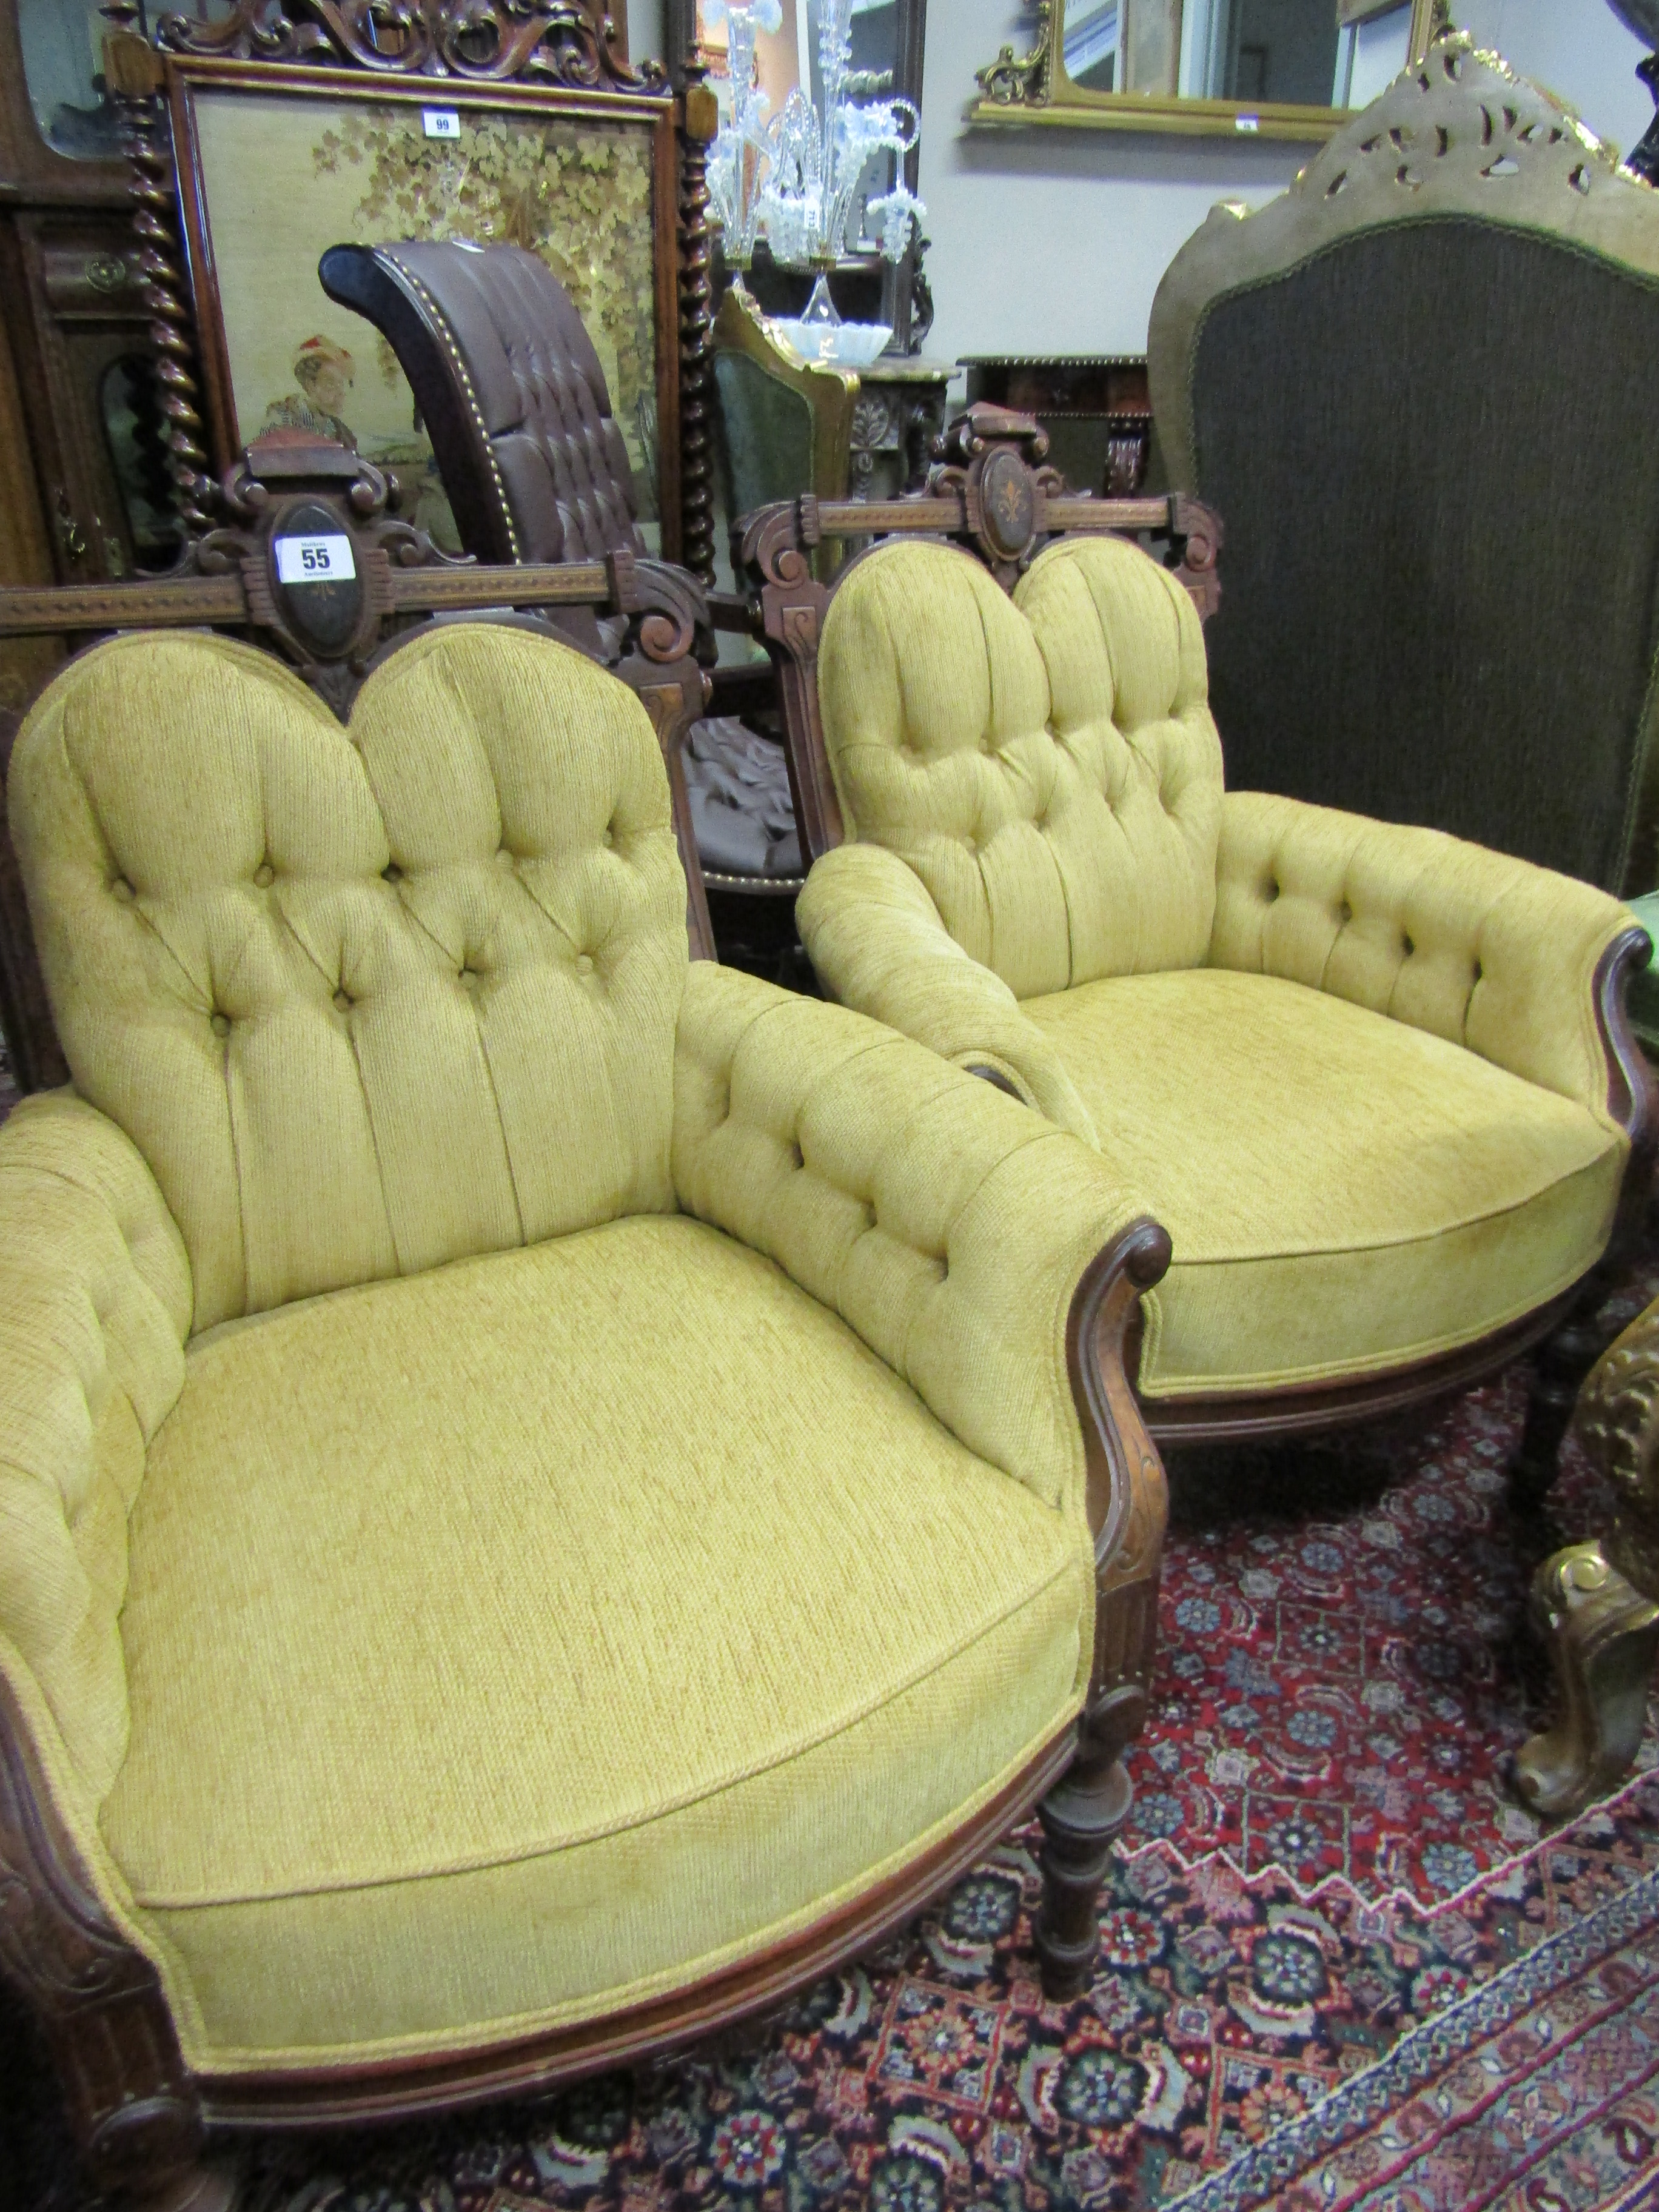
x=1008, y=504
x=314, y=576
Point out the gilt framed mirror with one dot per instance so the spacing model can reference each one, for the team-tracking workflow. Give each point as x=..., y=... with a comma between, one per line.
x=1258, y=68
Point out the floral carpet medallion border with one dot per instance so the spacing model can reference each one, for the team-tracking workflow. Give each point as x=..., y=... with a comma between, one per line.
x=1540, y=2088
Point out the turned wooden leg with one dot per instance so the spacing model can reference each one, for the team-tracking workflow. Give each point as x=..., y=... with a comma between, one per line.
x=1128, y=1510
x=1081, y=1816
x=1604, y=1637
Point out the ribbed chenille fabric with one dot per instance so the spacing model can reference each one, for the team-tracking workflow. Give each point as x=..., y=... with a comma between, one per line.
x=529, y=1471
x=1353, y=1067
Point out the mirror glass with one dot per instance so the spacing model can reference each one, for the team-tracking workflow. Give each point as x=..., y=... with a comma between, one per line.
x=1273, y=66
x=63, y=42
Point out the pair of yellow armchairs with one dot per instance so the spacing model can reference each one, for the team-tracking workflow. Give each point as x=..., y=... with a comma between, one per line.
x=549, y=1492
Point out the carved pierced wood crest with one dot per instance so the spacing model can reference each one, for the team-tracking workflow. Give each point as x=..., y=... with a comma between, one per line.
x=1457, y=135
x=571, y=43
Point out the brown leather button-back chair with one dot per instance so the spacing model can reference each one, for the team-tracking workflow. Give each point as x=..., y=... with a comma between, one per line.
x=536, y=469
x=510, y=390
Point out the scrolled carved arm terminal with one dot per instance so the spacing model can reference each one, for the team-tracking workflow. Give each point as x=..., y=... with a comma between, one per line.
x=1598, y=1602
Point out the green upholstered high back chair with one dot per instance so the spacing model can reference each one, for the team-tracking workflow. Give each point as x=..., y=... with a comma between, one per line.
x=1416, y=386
x=783, y=425
x=548, y=1490
x=1374, y=1081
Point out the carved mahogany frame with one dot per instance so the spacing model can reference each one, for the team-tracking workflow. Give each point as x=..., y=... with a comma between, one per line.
x=465, y=52
x=991, y=495
x=228, y=580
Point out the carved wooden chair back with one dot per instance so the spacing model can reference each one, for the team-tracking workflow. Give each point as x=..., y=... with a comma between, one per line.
x=991, y=494
x=381, y=580
x=1414, y=385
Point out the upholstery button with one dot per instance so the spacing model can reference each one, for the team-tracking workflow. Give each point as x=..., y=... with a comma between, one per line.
x=609, y=837
x=221, y=1025
x=1406, y=945
x=584, y=964
x=394, y=874
x=1270, y=889
x=969, y=843
x=1479, y=972
x=265, y=875
x=504, y=859
x=1345, y=912
x=122, y=889
x=342, y=1000
x=469, y=979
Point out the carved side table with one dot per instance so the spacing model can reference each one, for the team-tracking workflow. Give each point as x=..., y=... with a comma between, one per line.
x=899, y=411
x=1599, y=1603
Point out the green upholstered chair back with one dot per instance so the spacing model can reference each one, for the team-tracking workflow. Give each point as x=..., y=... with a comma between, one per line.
x=783, y=426
x=765, y=442
x=1046, y=764
x=1415, y=387
x=365, y=1003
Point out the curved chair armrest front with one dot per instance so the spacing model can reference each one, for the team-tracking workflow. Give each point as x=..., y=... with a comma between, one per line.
x=877, y=941
x=949, y=1226
x=95, y=1302
x=1518, y=963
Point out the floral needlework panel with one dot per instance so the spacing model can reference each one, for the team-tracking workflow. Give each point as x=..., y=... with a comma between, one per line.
x=579, y=193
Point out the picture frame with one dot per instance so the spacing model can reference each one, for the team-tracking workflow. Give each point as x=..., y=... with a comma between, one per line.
x=1040, y=87
x=586, y=178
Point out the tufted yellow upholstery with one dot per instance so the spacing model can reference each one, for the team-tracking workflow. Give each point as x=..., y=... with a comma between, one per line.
x=1048, y=770
x=1383, y=1134
x=95, y=1308
x=378, y=1377
x=562, y=1741
x=362, y=1008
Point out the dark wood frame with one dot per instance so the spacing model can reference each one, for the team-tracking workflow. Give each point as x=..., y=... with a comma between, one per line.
x=495, y=47
x=188, y=78
x=991, y=495
x=141, y=2120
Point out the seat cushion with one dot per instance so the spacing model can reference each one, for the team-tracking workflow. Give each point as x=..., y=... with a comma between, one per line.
x=517, y=1641
x=1344, y=1193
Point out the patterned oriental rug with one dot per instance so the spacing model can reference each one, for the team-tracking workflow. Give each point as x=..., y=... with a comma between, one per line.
x=1341, y=1967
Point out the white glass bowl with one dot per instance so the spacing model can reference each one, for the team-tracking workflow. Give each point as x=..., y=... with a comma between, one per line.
x=848, y=345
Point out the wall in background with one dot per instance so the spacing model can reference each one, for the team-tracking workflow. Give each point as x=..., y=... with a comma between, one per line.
x=1053, y=241
x=1579, y=48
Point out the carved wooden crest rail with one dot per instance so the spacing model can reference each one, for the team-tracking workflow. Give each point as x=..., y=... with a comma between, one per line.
x=990, y=488
x=373, y=577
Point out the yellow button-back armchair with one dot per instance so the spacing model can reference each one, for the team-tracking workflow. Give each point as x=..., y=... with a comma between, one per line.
x=547, y=1491
x=1373, y=1082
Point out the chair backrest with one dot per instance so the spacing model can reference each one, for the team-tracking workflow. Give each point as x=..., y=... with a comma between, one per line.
x=783, y=425
x=511, y=391
x=1415, y=386
x=1046, y=764
x=365, y=1002
x=991, y=495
